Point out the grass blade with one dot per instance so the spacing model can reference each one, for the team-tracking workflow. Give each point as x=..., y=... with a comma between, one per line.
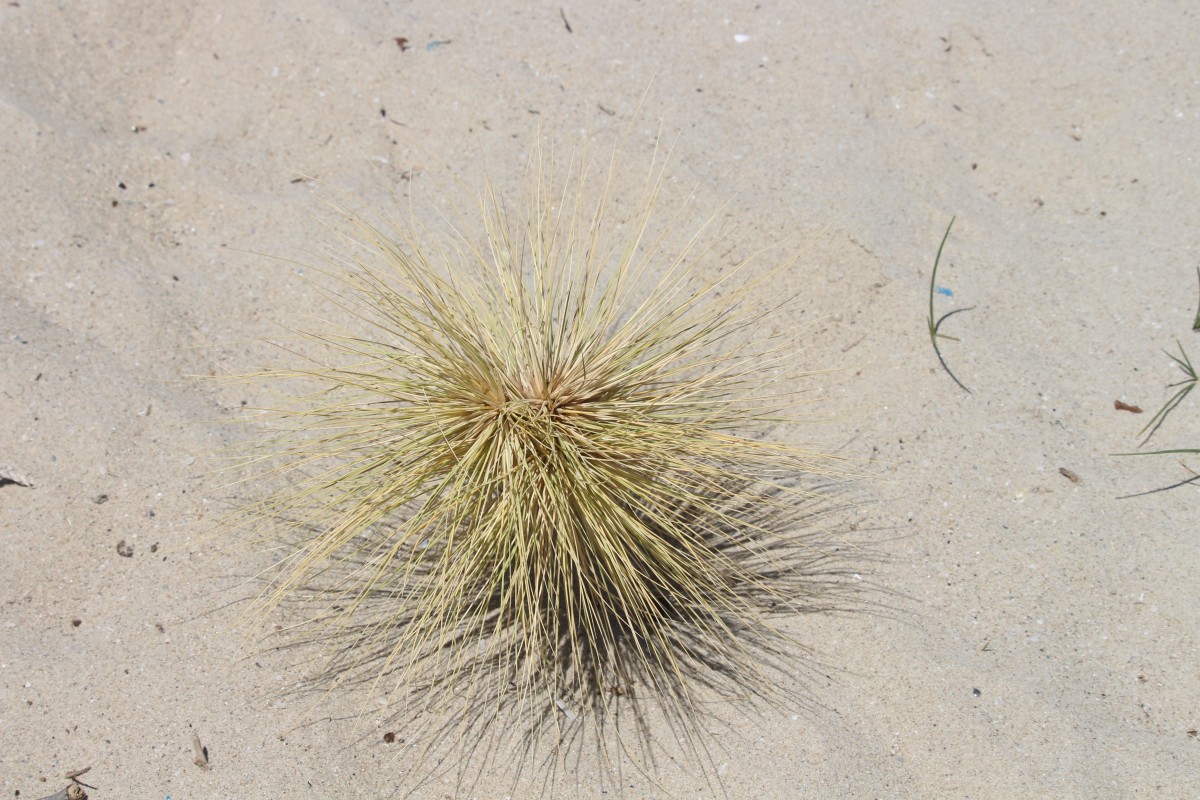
x=1185, y=388
x=935, y=326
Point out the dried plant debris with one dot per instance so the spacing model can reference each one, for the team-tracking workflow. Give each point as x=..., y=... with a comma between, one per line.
x=73, y=790
x=1196, y=322
x=201, y=753
x=10, y=474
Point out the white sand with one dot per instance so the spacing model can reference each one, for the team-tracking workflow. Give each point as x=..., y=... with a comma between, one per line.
x=147, y=144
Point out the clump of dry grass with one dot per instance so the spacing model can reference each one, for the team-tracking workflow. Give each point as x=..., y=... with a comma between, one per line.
x=536, y=479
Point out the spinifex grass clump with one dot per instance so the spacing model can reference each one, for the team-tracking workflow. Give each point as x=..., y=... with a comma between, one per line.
x=537, y=477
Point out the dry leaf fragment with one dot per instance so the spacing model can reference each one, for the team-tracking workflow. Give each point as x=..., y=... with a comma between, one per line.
x=1069, y=475
x=9, y=474
x=201, y=759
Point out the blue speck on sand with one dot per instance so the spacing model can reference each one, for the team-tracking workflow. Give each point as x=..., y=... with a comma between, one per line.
x=944, y=291
x=436, y=43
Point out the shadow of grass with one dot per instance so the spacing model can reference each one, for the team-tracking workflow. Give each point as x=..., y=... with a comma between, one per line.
x=477, y=704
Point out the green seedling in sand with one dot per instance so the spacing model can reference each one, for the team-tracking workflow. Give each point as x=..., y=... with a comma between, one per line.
x=1185, y=388
x=536, y=478
x=934, y=327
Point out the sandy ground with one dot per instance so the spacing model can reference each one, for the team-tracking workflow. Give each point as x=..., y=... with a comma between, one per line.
x=1041, y=635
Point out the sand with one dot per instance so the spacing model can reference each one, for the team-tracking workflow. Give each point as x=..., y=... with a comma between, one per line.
x=1038, y=636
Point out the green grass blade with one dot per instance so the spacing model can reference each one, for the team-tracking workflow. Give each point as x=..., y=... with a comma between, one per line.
x=935, y=325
